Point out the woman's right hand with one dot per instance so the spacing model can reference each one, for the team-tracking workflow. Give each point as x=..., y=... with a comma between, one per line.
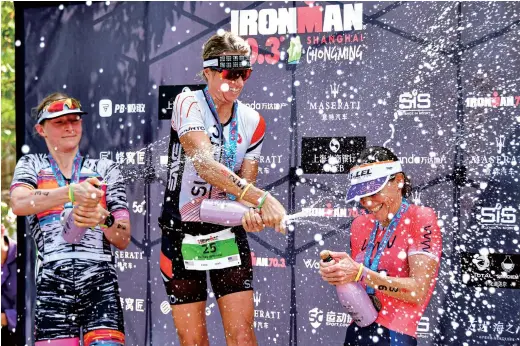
x=342, y=269
x=273, y=214
x=86, y=193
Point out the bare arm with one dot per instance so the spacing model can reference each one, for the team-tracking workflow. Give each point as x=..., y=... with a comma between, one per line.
x=413, y=289
x=119, y=233
x=252, y=221
x=25, y=201
x=199, y=149
x=249, y=172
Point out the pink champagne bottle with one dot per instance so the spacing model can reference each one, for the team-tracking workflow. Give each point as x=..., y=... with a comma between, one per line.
x=222, y=212
x=354, y=299
x=71, y=233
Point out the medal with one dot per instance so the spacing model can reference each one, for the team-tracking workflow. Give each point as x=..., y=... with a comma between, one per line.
x=376, y=302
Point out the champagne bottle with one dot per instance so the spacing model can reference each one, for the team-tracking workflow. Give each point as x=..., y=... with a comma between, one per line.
x=71, y=233
x=222, y=212
x=354, y=299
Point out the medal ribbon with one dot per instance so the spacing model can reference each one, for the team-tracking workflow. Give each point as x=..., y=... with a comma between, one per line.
x=386, y=237
x=230, y=146
x=60, y=178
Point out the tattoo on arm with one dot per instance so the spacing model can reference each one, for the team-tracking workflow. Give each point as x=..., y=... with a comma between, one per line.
x=41, y=193
x=384, y=288
x=237, y=181
x=121, y=226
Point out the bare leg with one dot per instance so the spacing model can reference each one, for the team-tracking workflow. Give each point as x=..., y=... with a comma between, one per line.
x=237, y=311
x=190, y=322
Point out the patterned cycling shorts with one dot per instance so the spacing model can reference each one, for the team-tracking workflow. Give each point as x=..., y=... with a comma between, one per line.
x=73, y=294
x=189, y=286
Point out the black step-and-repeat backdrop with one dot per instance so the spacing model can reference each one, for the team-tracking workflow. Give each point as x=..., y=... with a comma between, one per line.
x=435, y=81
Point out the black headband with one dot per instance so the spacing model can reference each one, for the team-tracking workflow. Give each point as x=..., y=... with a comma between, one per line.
x=229, y=62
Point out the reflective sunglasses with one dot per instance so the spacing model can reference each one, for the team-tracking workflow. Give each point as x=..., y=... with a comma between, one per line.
x=233, y=74
x=58, y=106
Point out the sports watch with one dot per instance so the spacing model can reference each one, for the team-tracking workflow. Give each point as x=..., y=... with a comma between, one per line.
x=109, y=220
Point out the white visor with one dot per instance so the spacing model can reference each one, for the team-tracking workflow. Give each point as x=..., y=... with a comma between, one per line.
x=370, y=178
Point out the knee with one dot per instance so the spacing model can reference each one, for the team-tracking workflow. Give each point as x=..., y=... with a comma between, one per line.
x=193, y=338
x=242, y=334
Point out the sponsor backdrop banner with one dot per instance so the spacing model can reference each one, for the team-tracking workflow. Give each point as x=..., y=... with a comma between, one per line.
x=436, y=82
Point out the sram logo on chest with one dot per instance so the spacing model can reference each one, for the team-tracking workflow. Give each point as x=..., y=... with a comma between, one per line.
x=214, y=136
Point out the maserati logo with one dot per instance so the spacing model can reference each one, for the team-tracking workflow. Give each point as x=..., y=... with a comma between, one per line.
x=334, y=89
x=500, y=143
x=257, y=298
x=416, y=197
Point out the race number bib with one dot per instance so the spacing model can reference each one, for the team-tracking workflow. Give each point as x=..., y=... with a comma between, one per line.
x=213, y=251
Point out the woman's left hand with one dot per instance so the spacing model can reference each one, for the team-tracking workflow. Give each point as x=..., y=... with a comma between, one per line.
x=89, y=216
x=252, y=221
x=343, y=271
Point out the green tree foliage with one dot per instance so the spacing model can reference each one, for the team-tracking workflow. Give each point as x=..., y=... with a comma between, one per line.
x=8, y=151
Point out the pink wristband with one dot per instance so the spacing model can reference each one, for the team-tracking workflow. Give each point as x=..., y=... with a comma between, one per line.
x=121, y=214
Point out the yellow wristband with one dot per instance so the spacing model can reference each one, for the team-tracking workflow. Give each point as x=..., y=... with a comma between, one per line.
x=245, y=190
x=71, y=193
x=359, y=273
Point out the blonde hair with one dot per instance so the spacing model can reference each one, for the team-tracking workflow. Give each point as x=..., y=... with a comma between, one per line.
x=219, y=44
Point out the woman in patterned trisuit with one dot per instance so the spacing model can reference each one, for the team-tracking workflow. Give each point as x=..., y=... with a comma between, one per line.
x=77, y=285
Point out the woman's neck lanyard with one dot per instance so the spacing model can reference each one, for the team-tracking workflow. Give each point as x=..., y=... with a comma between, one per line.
x=386, y=237
x=230, y=146
x=60, y=178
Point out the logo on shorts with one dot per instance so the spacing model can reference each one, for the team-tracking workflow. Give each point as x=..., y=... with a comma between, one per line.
x=173, y=299
x=247, y=283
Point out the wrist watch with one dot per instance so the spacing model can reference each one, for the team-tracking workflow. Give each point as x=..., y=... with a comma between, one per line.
x=109, y=220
